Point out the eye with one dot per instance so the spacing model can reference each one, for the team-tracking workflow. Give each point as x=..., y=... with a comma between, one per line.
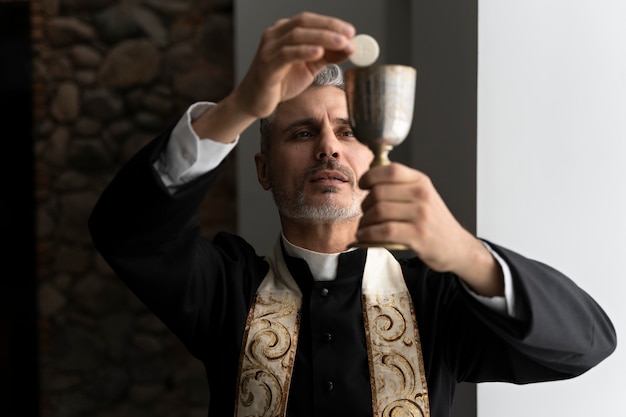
x=303, y=134
x=348, y=133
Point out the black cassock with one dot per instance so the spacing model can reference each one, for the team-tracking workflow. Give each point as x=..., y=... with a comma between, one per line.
x=202, y=291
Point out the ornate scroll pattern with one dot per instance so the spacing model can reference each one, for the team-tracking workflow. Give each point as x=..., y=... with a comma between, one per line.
x=394, y=350
x=395, y=356
x=268, y=355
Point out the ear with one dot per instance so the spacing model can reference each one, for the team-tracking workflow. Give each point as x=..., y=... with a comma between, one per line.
x=262, y=170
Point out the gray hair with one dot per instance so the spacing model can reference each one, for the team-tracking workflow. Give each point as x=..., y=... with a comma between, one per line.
x=330, y=76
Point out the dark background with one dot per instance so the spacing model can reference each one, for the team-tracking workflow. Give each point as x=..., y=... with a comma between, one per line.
x=18, y=347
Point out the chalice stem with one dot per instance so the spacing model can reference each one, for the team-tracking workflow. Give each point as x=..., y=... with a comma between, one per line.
x=381, y=155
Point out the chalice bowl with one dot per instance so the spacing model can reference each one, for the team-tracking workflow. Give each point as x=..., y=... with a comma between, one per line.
x=380, y=107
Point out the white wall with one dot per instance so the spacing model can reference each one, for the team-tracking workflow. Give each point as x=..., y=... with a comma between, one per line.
x=552, y=170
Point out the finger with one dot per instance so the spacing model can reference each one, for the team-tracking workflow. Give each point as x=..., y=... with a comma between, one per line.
x=390, y=193
x=392, y=173
x=397, y=232
x=314, y=20
x=390, y=212
x=311, y=29
x=327, y=39
x=288, y=54
x=304, y=45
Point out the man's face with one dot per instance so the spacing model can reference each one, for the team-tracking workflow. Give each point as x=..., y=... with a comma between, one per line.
x=315, y=162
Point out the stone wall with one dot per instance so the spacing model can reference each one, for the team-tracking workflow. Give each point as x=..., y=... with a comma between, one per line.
x=108, y=76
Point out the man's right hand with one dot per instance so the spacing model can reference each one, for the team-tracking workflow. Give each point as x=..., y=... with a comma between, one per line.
x=291, y=53
x=289, y=56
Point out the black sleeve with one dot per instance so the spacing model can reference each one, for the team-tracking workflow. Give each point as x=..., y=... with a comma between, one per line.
x=152, y=242
x=564, y=333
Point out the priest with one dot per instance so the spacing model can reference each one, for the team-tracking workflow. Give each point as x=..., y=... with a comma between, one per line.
x=316, y=327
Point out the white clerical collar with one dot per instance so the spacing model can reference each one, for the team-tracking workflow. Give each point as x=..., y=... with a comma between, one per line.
x=323, y=266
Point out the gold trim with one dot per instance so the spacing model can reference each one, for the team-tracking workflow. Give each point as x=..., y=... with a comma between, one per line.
x=394, y=351
x=393, y=346
x=269, y=350
x=394, y=356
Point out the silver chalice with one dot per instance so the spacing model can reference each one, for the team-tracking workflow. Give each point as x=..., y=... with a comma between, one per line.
x=380, y=107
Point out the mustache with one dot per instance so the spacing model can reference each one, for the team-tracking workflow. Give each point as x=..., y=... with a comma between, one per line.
x=330, y=164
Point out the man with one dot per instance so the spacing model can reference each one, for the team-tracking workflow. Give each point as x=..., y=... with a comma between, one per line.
x=314, y=328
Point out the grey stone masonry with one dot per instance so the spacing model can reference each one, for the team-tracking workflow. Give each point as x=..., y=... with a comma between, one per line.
x=109, y=75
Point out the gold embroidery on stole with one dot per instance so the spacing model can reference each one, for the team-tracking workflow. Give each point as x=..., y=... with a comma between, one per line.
x=269, y=344
x=394, y=352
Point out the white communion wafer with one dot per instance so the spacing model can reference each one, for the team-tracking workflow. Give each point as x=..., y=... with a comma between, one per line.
x=366, y=50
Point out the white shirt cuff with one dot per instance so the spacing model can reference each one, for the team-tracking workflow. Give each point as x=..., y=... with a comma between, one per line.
x=506, y=304
x=187, y=156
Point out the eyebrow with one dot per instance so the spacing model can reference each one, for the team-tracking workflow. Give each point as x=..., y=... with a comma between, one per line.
x=309, y=121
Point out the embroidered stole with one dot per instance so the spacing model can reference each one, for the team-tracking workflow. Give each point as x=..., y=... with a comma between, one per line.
x=394, y=352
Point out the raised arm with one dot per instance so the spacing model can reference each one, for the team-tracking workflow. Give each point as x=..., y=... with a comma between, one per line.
x=290, y=54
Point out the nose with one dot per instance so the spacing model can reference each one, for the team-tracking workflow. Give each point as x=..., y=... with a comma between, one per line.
x=328, y=144
x=323, y=155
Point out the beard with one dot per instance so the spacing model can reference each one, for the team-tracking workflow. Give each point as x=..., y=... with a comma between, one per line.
x=294, y=206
